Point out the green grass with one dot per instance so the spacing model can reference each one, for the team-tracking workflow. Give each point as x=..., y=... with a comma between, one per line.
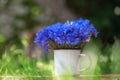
x=14, y=62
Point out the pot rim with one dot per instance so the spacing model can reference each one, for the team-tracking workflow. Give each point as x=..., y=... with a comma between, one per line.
x=68, y=49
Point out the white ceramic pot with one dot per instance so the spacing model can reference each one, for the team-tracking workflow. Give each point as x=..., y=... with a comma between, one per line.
x=67, y=61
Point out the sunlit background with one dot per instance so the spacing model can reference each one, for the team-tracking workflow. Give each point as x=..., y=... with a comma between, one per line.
x=21, y=19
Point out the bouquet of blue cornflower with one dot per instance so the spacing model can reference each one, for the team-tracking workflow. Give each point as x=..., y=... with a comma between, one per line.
x=70, y=35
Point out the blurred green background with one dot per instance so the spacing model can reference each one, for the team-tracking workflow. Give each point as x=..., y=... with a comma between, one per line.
x=21, y=19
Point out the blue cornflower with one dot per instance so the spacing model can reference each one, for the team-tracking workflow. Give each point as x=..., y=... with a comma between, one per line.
x=70, y=33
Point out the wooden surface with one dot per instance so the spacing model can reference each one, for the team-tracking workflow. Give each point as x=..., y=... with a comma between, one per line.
x=81, y=76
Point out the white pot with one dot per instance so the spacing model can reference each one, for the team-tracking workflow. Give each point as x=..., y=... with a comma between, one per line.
x=66, y=61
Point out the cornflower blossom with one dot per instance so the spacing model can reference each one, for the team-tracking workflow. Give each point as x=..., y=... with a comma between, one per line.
x=65, y=35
